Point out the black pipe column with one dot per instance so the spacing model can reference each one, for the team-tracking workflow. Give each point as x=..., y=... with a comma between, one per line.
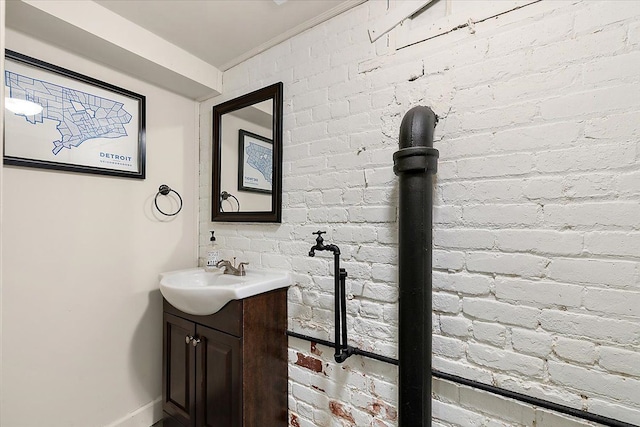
x=414, y=163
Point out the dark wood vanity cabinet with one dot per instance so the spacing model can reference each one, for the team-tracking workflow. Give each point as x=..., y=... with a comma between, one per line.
x=228, y=369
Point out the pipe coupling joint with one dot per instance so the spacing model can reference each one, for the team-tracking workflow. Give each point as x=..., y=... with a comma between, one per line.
x=415, y=160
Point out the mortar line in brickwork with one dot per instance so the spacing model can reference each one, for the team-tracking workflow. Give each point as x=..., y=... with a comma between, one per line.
x=541, y=403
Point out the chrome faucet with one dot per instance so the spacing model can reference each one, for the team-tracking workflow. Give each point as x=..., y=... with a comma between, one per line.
x=230, y=268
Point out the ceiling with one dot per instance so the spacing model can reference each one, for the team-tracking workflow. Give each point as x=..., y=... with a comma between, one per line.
x=180, y=45
x=223, y=33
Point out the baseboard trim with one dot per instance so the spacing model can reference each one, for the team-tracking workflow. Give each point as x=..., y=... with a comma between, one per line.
x=145, y=416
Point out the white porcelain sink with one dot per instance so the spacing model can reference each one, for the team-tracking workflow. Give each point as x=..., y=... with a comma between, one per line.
x=196, y=291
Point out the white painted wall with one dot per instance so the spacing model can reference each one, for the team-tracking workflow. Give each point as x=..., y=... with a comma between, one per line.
x=81, y=309
x=2, y=37
x=536, y=218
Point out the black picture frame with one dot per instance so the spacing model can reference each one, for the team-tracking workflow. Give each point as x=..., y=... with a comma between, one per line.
x=82, y=110
x=244, y=177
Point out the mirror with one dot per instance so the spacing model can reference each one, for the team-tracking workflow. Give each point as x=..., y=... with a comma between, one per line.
x=247, y=157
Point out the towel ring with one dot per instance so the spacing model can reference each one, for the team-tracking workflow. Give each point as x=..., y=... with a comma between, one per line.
x=165, y=190
x=224, y=196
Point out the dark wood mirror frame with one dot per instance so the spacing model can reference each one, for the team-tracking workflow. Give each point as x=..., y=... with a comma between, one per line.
x=275, y=93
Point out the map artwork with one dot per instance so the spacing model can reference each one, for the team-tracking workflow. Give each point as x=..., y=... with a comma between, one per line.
x=261, y=159
x=81, y=116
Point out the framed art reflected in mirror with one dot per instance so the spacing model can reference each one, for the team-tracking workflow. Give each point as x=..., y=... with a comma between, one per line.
x=255, y=163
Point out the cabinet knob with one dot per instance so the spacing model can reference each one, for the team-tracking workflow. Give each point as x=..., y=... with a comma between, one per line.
x=195, y=341
x=188, y=339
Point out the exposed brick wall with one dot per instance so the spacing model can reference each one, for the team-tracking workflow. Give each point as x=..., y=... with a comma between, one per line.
x=537, y=209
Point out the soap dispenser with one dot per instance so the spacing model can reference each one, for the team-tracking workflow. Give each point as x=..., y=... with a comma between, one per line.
x=212, y=252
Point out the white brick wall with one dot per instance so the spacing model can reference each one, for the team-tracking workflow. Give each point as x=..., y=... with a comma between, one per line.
x=537, y=210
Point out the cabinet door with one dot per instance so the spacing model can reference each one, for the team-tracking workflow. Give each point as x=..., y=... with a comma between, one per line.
x=178, y=374
x=219, y=379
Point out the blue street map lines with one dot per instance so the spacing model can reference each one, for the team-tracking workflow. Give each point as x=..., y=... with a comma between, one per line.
x=80, y=115
x=261, y=159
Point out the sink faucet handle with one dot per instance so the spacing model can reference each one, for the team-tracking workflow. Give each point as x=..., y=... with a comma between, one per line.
x=319, y=239
x=241, y=268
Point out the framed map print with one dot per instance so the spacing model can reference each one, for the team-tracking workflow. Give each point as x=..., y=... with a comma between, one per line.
x=255, y=163
x=59, y=119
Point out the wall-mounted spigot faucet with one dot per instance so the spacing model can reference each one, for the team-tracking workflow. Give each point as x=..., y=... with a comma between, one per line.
x=320, y=246
x=342, y=349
